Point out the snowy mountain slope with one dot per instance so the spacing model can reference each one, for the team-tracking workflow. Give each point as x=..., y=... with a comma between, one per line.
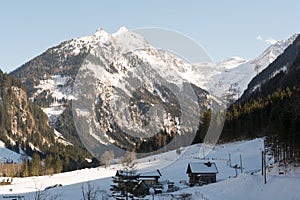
x=129, y=71
x=57, y=89
x=279, y=74
x=7, y=155
x=271, y=53
x=129, y=66
x=229, y=79
x=49, y=77
x=230, y=62
x=173, y=168
x=127, y=61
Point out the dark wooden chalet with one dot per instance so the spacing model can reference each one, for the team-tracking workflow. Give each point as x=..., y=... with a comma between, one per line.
x=202, y=173
x=145, y=180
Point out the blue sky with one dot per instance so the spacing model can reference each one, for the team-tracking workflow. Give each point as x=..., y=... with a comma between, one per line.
x=223, y=28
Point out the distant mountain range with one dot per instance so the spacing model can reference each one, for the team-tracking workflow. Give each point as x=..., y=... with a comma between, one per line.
x=50, y=77
x=228, y=79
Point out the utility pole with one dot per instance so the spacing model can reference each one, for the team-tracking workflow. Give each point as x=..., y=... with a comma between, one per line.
x=241, y=163
x=262, y=163
x=264, y=166
x=229, y=160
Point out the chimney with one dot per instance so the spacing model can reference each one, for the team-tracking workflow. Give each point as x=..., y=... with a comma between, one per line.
x=208, y=164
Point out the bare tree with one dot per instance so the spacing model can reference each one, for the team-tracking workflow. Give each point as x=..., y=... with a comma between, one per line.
x=41, y=194
x=128, y=161
x=126, y=181
x=44, y=195
x=89, y=192
x=104, y=195
x=107, y=158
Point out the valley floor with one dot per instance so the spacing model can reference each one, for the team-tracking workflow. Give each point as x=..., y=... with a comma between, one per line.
x=247, y=185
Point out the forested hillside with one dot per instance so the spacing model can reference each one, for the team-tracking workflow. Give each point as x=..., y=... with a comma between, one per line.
x=271, y=110
x=24, y=128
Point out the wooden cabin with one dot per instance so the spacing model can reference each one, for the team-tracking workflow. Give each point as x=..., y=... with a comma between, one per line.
x=202, y=173
x=144, y=181
x=150, y=179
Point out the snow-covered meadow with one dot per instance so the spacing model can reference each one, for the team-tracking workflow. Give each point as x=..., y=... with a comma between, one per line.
x=247, y=185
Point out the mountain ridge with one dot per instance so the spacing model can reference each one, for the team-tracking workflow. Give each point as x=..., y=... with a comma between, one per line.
x=270, y=107
x=50, y=77
x=281, y=64
x=229, y=78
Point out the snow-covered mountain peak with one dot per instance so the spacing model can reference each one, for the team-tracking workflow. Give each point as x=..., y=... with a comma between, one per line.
x=123, y=29
x=100, y=33
x=130, y=65
x=126, y=64
x=226, y=78
x=229, y=78
x=128, y=41
x=123, y=40
x=271, y=53
x=231, y=62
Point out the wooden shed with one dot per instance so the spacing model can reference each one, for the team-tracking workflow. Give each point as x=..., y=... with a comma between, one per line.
x=202, y=173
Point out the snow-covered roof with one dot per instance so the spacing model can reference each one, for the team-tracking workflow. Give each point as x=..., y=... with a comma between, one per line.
x=147, y=178
x=155, y=173
x=201, y=167
x=126, y=173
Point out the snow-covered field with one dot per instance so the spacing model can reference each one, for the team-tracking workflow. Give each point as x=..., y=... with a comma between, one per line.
x=7, y=155
x=247, y=185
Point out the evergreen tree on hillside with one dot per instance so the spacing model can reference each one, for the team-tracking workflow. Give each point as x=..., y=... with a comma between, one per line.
x=57, y=164
x=35, y=165
x=275, y=116
x=19, y=114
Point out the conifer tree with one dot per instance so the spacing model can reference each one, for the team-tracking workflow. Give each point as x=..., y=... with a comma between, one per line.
x=35, y=165
x=57, y=164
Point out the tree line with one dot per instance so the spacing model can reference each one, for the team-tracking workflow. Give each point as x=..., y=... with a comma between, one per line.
x=275, y=116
